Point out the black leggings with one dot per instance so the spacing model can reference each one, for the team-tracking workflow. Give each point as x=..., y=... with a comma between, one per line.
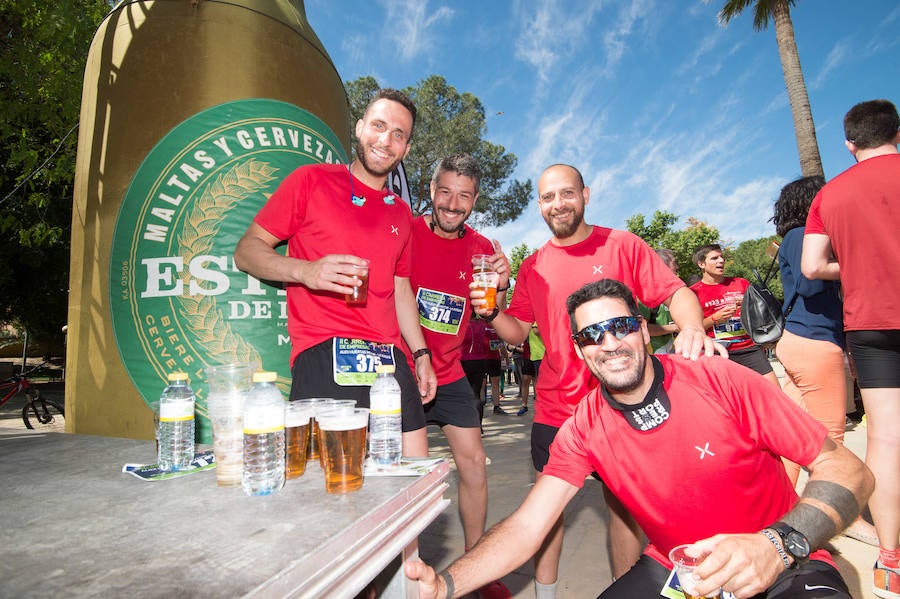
x=647, y=577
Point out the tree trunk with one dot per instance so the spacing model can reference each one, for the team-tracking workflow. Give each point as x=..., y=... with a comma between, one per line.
x=804, y=128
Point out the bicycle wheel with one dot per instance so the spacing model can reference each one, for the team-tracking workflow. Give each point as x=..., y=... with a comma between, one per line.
x=44, y=415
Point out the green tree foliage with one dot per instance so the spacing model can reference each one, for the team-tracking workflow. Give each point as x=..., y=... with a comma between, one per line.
x=449, y=122
x=516, y=256
x=44, y=46
x=659, y=233
x=752, y=254
x=779, y=11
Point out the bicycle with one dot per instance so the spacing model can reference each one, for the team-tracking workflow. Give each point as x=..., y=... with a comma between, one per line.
x=38, y=413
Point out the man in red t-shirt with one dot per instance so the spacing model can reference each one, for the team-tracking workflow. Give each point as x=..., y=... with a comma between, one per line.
x=720, y=297
x=853, y=234
x=576, y=253
x=443, y=246
x=336, y=219
x=693, y=449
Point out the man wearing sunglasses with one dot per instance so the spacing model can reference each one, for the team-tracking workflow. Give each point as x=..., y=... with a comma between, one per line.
x=577, y=253
x=693, y=449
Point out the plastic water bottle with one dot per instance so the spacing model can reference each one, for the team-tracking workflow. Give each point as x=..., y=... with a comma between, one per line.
x=385, y=434
x=176, y=424
x=263, y=437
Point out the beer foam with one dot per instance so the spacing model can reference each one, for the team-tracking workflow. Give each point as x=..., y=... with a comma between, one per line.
x=343, y=421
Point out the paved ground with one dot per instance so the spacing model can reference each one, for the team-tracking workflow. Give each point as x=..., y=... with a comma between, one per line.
x=584, y=567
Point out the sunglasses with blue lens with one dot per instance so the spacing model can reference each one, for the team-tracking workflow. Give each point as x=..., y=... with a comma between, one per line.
x=620, y=327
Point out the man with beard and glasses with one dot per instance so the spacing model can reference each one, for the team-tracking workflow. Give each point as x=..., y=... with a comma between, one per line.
x=443, y=246
x=693, y=449
x=577, y=253
x=336, y=218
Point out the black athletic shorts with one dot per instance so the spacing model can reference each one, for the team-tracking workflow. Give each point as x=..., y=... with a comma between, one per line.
x=542, y=436
x=454, y=404
x=475, y=372
x=493, y=367
x=813, y=579
x=528, y=368
x=753, y=358
x=876, y=355
x=313, y=376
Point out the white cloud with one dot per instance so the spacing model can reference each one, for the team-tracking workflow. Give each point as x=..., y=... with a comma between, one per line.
x=410, y=23
x=839, y=54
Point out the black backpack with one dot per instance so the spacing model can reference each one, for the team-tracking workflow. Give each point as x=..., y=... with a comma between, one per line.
x=761, y=314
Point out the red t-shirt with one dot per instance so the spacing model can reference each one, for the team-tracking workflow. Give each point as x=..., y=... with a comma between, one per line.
x=724, y=431
x=550, y=275
x=713, y=298
x=441, y=272
x=859, y=210
x=312, y=209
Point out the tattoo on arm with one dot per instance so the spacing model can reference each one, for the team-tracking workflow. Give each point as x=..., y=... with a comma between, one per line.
x=815, y=524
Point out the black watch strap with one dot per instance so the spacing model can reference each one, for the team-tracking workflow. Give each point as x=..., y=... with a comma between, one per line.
x=421, y=352
x=795, y=543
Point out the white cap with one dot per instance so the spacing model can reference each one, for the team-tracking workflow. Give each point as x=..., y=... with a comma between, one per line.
x=178, y=376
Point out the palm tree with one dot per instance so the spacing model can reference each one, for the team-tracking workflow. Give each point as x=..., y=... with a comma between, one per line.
x=804, y=128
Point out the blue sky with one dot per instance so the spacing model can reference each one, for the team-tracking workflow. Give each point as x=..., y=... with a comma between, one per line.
x=655, y=102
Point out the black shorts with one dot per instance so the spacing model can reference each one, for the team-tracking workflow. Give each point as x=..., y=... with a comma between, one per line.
x=454, y=404
x=313, y=376
x=647, y=577
x=876, y=355
x=493, y=367
x=754, y=358
x=475, y=372
x=542, y=436
x=528, y=368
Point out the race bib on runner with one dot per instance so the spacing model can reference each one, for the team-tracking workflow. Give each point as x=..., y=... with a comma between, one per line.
x=672, y=589
x=354, y=360
x=440, y=312
x=729, y=331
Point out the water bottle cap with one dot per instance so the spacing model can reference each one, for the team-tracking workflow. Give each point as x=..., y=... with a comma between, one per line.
x=262, y=376
x=385, y=368
x=178, y=376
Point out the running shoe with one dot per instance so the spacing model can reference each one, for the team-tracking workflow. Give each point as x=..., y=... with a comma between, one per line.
x=499, y=410
x=494, y=590
x=887, y=581
x=522, y=411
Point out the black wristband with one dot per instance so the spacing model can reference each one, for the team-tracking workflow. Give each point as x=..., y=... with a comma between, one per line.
x=502, y=289
x=421, y=352
x=448, y=582
x=492, y=316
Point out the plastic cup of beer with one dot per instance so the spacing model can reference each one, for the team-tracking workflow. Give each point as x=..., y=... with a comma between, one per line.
x=312, y=451
x=228, y=388
x=297, y=417
x=359, y=294
x=685, y=559
x=486, y=279
x=343, y=438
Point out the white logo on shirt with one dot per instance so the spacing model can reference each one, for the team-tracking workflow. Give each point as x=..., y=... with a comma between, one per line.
x=598, y=270
x=462, y=275
x=395, y=230
x=704, y=451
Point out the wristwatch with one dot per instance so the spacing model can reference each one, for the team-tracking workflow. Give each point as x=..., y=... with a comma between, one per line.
x=795, y=543
x=421, y=352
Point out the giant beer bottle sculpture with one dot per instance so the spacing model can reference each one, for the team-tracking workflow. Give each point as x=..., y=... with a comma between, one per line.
x=192, y=113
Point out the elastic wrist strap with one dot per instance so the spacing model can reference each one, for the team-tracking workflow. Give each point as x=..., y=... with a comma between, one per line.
x=448, y=582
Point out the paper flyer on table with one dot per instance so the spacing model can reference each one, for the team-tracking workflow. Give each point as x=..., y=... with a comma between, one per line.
x=407, y=467
x=151, y=472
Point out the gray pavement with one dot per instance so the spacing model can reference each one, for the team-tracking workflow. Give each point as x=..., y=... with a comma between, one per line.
x=584, y=569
